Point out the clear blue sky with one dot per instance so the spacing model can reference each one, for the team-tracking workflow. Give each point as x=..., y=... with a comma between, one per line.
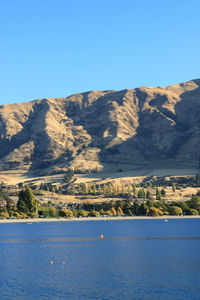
x=55, y=48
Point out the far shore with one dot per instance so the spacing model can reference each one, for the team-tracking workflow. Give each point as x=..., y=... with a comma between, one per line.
x=40, y=220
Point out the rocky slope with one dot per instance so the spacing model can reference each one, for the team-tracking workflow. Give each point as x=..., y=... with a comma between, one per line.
x=128, y=127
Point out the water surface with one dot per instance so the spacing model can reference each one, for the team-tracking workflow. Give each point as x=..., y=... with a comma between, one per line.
x=137, y=259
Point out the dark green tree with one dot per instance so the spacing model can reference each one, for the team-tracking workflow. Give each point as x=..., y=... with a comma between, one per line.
x=69, y=175
x=9, y=205
x=134, y=189
x=136, y=206
x=26, y=203
x=163, y=193
x=148, y=195
x=158, y=194
x=143, y=209
x=175, y=210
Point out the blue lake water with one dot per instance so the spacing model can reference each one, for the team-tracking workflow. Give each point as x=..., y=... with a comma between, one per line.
x=137, y=259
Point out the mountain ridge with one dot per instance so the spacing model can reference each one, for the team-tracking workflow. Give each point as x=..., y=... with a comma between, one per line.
x=89, y=130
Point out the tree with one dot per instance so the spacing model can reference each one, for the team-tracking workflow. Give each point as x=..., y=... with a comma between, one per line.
x=85, y=190
x=83, y=213
x=61, y=190
x=183, y=206
x=136, y=207
x=26, y=203
x=115, y=192
x=143, y=209
x=73, y=190
x=109, y=213
x=104, y=189
x=9, y=205
x=69, y=175
x=66, y=213
x=119, y=211
x=52, y=212
x=129, y=190
x=153, y=211
x=148, y=195
x=114, y=213
x=94, y=189
x=89, y=189
x=44, y=212
x=94, y=213
x=173, y=187
x=194, y=203
x=193, y=212
x=129, y=212
x=110, y=190
x=79, y=188
x=99, y=189
x=141, y=193
x=4, y=214
x=158, y=194
x=163, y=193
x=149, y=203
x=134, y=189
x=175, y=210
x=102, y=212
x=123, y=190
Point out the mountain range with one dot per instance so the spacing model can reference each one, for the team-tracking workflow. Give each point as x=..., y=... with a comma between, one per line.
x=103, y=129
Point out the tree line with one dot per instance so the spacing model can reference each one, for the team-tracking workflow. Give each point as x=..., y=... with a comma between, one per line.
x=28, y=206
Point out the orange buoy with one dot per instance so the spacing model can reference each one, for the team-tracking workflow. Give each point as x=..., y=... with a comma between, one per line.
x=101, y=236
x=51, y=262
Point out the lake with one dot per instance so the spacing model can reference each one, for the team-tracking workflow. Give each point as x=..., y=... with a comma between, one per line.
x=136, y=259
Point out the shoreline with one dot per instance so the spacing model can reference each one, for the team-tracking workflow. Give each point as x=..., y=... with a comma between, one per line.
x=41, y=220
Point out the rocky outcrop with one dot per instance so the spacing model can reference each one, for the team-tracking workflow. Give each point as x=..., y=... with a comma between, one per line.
x=129, y=127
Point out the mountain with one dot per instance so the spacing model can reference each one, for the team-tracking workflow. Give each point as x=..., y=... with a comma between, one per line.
x=103, y=129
